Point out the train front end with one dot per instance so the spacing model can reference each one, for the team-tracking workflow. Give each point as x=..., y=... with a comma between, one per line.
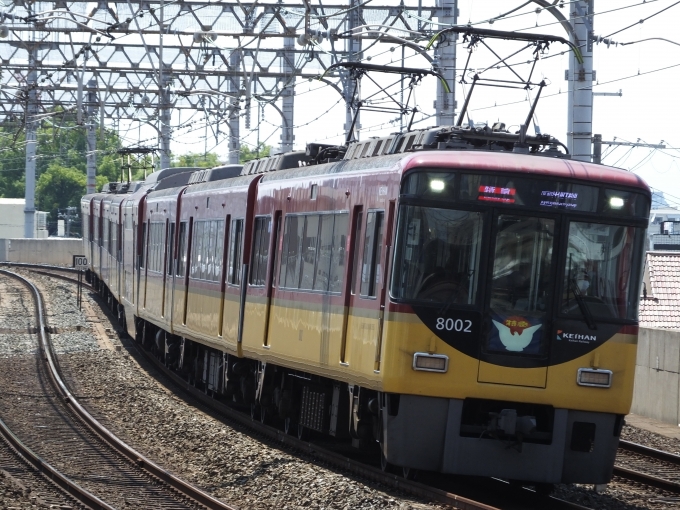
x=511, y=328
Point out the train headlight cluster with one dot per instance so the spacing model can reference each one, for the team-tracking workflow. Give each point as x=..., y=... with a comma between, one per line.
x=430, y=362
x=594, y=377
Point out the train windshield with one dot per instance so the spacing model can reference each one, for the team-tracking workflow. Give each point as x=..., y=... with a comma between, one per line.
x=599, y=273
x=521, y=284
x=438, y=255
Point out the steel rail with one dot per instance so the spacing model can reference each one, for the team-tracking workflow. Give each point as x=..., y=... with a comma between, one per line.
x=62, y=481
x=644, y=478
x=331, y=458
x=133, y=455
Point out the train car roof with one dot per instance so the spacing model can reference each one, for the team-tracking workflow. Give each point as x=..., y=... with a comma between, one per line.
x=243, y=180
x=491, y=161
x=526, y=164
x=170, y=192
x=167, y=172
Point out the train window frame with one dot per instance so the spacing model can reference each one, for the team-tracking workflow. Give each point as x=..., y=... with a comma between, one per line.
x=207, y=250
x=635, y=275
x=296, y=275
x=170, y=249
x=475, y=273
x=181, y=269
x=357, y=246
x=368, y=288
x=144, y=250
x=235, y=251
x=542, y=312
x=260, y=250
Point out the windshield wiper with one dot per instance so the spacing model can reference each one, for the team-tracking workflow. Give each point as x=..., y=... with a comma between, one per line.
x=583, y=306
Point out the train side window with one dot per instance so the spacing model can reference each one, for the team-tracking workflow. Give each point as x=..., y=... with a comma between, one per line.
x=337, y=271
x=196, y=250
x=324, y=252
x=106, y=235
x=355, y=262
x=309, y=251
x=142, y=260
x=290, y=257
x=219, y=250
x=260, y=254
x=170, y=249
x=113, y=244
x=182, y=253
x=235, y=246
x=370, y=269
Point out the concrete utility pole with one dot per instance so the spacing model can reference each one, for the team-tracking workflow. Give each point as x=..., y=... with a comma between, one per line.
x=31, y=128
x=91, y=137
x=353, y=50
x=288, y=93
x=445, y=56
x=234, y=109
x=164, y=106
x=165, y=129
x=580, y=78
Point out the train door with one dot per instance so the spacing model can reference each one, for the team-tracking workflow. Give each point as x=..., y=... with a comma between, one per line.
x=179, y=300
x=516, y=334
x=382, y=261
x=365, y=315
x=169, y=271
x=271, y=262
x=224, y=273
x=350, y=285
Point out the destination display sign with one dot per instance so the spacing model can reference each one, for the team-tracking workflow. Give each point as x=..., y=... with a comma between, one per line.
x=535, y=193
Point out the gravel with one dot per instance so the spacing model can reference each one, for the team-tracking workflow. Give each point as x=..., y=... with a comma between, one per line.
x=225, y=460
x=230, y=462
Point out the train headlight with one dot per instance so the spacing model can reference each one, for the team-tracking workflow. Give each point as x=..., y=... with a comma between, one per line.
x=436, y=185
x=430, y=362
x=594, y=377
x=616, y=202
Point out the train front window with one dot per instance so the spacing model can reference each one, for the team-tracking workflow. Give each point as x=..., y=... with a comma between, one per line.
x=600, y=279
x=521, y=285
x=437, y=255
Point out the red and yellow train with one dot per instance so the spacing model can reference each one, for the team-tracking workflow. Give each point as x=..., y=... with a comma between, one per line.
x=463, y=298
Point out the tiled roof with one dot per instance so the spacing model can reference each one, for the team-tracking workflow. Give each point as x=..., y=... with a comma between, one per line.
x=661, y=308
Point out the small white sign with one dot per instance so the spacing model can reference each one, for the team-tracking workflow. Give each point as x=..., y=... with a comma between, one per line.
x=80, y=261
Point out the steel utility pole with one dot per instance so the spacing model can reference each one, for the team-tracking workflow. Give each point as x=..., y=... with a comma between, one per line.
x=445, y=56
x=31, y=127
x=353, y=50
x=91, y=137
x=580, y=79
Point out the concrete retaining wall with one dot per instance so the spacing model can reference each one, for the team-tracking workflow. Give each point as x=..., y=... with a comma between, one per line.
x=53, y=250
x=657, y=375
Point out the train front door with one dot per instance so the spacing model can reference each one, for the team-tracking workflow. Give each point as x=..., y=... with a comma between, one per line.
x=515, y=341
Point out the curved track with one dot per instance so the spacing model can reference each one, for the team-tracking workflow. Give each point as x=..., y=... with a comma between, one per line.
x=521, y=498
x=84, y=457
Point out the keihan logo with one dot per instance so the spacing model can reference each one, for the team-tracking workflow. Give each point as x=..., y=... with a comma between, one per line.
x=575, y=337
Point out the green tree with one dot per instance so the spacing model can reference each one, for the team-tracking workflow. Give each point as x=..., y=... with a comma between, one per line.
x=248, y=154
x=59, y=187
x=191, y=159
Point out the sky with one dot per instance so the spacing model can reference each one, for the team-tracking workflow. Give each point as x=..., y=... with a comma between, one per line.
x=646, y=72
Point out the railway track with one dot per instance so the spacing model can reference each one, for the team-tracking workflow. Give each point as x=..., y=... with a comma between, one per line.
x=523, y=498
x=44, y=421
x=649, y=466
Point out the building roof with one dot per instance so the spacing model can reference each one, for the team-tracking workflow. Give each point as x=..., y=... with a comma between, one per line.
x=661, y=308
